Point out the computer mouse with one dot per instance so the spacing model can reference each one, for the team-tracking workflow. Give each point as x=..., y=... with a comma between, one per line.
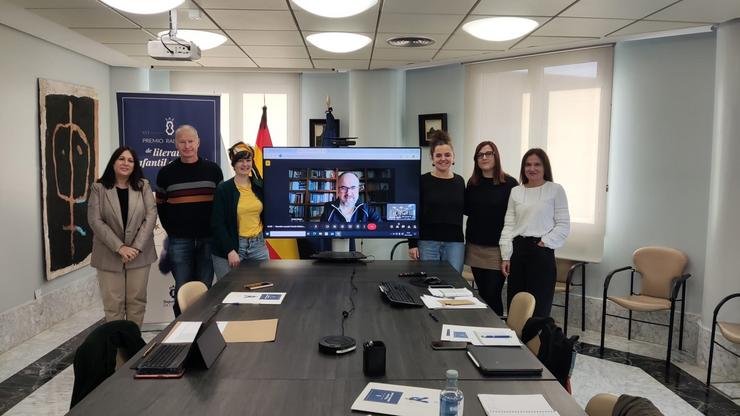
x=432, y=280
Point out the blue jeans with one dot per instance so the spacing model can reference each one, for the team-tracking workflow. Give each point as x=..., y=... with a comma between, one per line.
x=191, y=261
x=449, y=251
x=250, y=249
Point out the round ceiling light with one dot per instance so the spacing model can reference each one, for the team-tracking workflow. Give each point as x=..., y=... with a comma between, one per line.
x=500, y=29
x=410, y=41
x=338, y=42
x=143, y=6
x=335, y=8
x=204, y=40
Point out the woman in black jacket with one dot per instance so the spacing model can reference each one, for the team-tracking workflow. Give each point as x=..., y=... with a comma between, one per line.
x=486, y=198
x=236, y=219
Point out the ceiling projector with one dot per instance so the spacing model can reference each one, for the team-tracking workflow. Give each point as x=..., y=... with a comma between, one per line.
x=168, y=48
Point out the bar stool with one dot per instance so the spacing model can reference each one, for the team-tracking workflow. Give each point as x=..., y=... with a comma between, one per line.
x=566, y=270
x=730, y=331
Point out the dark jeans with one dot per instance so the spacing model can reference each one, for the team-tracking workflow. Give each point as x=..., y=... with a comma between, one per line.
x=191, y=261
x=490, y=282
x=533, y=270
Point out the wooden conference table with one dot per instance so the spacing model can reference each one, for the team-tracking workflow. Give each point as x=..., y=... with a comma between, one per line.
x=290, y=376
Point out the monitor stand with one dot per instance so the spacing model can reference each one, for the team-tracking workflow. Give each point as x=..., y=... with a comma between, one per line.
x=339, y=252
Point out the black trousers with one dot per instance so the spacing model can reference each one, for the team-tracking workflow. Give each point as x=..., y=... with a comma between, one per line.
x=533, y=270
x=490, y=282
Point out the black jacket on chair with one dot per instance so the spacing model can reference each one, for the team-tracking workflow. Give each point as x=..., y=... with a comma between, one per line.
x=95, y=359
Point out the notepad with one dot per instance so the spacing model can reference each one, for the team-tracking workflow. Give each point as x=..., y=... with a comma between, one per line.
x=262, y=330
x=516, y=405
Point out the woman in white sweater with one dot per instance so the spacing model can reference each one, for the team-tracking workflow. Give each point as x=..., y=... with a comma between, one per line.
x=537, y=222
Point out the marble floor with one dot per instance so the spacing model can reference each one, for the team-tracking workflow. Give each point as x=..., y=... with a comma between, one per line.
x=36, y=378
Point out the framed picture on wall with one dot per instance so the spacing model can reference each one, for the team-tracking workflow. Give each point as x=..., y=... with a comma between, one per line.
x=428, y=124
x=316, y=129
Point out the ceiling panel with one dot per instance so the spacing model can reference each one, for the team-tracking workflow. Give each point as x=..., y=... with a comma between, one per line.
x=55, y=4
x=624, y=9
x=315, y=52
x=383, y=37
x=709, y=11
x=462, y=40
x=456, y=53
x=340, y=63
x=648, y=26
x=282, y=63
x=537, y=41
x=266, y=37
x=219, y=62
x=115, y=35
x=581, y=27
x=388, y=64
x=253, y=19
x=295, y=52
x=224, y=51
x=243, y=4
x=86, y=18
x=521, y=7
x=363, y=22
x=414, y=54
x=428, y=6
x=162, y=20
x=419, y=23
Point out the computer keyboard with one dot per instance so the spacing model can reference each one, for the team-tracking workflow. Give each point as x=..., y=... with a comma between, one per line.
x=398, y=294
x=165, y=357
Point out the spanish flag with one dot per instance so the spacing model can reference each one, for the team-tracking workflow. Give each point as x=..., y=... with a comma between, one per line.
x=279, y=248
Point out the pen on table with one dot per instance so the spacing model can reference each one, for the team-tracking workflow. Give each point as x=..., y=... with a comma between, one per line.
x=433, y=317
x=149, y=349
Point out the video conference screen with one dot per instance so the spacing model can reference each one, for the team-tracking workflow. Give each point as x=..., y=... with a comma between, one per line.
x=350, y=192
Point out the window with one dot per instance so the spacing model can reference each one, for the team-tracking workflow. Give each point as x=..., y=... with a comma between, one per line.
x=559, y=102
x=277, y=117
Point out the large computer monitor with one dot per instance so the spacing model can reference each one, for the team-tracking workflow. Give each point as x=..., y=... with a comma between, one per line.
x=308, y=192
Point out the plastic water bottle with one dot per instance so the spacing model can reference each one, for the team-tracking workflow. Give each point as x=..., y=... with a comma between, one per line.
x=451, y=398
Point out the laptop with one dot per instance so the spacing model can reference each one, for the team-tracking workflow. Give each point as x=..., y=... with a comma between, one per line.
x=505, y=361
x=169, y=360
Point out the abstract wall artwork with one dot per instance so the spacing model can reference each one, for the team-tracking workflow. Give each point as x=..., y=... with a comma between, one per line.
x=68, y=124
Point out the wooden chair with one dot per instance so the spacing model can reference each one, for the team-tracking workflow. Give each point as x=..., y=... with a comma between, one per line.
x=520, y=310
x=730, y=331
x=601, y=405
x=189, y=293
x=661, y=271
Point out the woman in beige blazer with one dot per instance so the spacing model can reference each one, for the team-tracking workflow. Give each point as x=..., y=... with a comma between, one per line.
x=122, y=213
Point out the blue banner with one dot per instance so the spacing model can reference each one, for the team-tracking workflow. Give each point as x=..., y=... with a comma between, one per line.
x=147, y=123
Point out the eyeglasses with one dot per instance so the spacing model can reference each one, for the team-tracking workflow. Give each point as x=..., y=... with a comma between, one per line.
x=346, y=189
x=481, y=155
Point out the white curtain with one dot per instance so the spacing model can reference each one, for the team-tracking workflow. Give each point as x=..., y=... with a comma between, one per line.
x=561, y=103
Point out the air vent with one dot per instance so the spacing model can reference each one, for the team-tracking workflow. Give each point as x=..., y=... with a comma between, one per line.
x=410, y=41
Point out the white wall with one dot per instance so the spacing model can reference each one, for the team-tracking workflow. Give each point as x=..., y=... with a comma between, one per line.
x=314, y=89
x=25, y=59
x=376, y=107
x=660, y=155
x=438, y=90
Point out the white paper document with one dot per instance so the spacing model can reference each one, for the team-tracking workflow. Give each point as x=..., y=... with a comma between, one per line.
x=451, y=293
x=183, y=332
x=479, y=335
x=471, y=302
x=392, y=399
x=516, y=405
x=255, y=298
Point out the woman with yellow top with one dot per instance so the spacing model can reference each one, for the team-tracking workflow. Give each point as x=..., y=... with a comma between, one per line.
x=236, y=219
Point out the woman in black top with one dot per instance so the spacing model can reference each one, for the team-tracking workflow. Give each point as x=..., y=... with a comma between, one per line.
x=486, y=198
x=442, y=200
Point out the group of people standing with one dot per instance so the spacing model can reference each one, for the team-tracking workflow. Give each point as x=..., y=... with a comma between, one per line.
x=212, y=225
x=512, y=229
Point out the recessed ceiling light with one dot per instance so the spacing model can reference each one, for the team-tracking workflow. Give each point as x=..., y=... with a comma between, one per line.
x=410, y=41
x=335, y=8
x=338, y=42
x=143, y=6
x=204, y=40
x=499, y=29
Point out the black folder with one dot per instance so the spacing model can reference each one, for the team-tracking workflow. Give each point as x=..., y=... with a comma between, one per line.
x=505, y=361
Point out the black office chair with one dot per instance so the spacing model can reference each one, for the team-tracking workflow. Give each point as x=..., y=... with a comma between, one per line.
x=565, y=282
x=395, y=246
x=95, y=359
x=730, y=331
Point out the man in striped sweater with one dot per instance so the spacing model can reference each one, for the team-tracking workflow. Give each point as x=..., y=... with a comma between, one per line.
x=185, y=191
